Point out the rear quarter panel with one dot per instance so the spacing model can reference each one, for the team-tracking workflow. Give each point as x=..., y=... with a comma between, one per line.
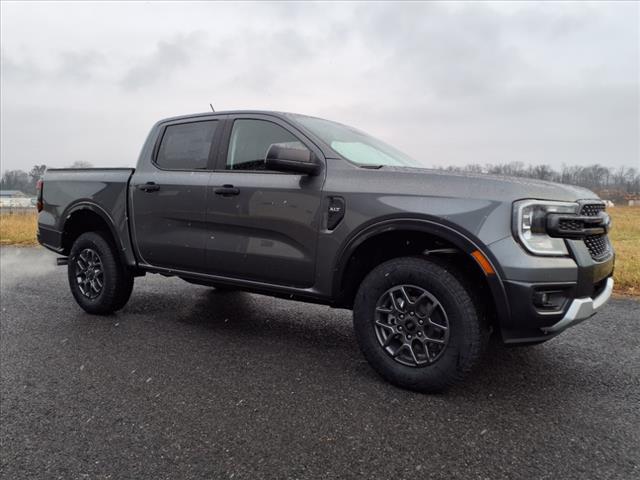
x=102, y=190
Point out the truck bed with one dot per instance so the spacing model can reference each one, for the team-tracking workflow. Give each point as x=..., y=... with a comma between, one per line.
x=69, y=190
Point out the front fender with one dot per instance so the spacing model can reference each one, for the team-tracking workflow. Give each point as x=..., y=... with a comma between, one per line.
x=465, y=241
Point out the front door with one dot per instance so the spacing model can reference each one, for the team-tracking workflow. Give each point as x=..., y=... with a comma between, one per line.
x=169, y=196
x=263, y=225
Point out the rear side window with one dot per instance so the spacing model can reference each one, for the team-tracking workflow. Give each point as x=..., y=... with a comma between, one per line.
x=250, y=140
x=186, y=146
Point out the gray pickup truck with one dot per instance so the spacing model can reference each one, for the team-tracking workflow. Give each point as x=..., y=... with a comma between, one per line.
x=303, y=208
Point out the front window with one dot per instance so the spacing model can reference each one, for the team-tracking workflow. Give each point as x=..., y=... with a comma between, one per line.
x=251, y=140
x=356, y=146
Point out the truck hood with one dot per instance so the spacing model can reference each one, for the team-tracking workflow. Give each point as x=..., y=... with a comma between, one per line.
x=419, y=181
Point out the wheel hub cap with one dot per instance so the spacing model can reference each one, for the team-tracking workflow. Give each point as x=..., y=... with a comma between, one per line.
x=411, y=325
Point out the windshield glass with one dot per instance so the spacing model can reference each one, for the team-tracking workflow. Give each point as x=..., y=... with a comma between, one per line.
x=356, y=146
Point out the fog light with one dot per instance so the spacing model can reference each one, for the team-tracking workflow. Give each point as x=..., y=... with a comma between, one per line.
x=548, y=299
x=540, y=299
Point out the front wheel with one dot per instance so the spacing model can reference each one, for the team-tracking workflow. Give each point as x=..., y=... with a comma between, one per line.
x=98, y=280
x=417, y=324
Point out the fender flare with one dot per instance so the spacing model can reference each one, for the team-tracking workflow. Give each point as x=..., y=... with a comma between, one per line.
x=462, y=239
x=84, y=205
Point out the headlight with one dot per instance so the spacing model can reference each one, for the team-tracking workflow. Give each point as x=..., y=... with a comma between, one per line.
x=529, y=225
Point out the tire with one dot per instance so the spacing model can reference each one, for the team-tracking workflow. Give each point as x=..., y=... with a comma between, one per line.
x=444, y=317
x=98, y=293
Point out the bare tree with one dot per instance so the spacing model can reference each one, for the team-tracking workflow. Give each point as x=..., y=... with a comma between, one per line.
x=16, y=180
x=36, y=173
x=611, y=184
x=81, y=164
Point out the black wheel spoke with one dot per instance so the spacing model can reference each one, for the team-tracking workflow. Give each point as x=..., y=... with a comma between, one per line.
x=394, y=302
x=437, y=325
x=429, y=307
x=89, y=274
x=413, y=354
x=405, y=297
x=405, y=326
x=439, y=341
x=384, y=324
x=398, y=350
x=427, y=351
x=389, y=339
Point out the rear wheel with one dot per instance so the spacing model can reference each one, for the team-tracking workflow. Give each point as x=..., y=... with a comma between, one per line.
x=417, y=324
x=98, y=280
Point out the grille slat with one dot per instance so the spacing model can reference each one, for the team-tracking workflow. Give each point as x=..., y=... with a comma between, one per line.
x=598, y=245
x=570, y=225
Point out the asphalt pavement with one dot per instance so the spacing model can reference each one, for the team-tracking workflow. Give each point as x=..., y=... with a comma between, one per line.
x=187, y=382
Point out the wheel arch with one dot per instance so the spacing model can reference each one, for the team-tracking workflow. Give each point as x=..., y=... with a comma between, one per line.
x=428, y=229
x=85, y=217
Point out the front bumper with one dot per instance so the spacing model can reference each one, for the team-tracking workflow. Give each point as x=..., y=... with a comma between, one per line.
x=582, y=308
x=578, y=287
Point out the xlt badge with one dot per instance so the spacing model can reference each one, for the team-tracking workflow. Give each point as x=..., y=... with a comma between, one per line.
x=336, y=212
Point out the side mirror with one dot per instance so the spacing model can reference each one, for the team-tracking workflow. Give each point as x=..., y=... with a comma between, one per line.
x=296, y=160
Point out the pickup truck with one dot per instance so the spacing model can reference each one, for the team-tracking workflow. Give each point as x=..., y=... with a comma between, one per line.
x=430, y=262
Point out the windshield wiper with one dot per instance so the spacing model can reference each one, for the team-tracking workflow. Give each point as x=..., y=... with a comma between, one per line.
x=372, y=167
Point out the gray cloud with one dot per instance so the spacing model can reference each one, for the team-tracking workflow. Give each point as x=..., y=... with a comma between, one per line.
x=80, y=65
x=23, y=70
x=168, y=57
x=77, y=65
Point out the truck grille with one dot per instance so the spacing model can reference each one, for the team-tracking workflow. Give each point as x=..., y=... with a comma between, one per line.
x=592, y=209
x=598, y=245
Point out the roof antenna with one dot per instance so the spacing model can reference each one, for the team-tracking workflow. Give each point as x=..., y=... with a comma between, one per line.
x=212, y=109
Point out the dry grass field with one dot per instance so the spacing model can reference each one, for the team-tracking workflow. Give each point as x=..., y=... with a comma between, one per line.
x=625, y=235
x=20, y=229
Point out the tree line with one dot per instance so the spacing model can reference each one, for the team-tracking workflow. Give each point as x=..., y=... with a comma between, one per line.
x=617, y=184
x=26, y=181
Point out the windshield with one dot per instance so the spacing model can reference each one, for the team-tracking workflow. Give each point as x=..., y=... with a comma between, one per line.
x=356, y=146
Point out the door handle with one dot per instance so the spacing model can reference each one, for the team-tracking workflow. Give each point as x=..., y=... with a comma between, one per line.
x=148, y=187
x=227, y=190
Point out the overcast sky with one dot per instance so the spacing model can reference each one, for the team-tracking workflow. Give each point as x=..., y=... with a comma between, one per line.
x=448, y=83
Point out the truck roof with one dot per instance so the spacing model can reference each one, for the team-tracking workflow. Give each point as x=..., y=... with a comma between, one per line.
x=229, y=112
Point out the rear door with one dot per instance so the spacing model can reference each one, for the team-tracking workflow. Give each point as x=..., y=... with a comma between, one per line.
x=263, y=225
x=169, y=196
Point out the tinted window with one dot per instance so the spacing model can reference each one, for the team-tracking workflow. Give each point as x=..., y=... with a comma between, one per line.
x=186, y=146
x=250, y=140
